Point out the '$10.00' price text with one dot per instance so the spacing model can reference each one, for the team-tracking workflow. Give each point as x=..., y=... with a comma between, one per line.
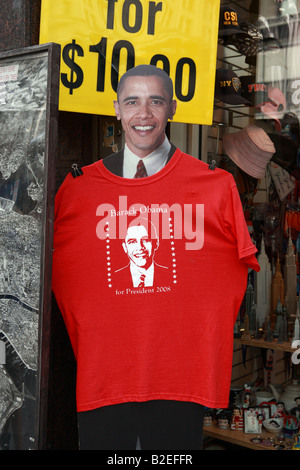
x=75, y=78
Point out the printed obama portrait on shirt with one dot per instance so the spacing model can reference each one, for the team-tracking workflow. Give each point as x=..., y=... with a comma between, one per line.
x=147, y=245
x=141, y=266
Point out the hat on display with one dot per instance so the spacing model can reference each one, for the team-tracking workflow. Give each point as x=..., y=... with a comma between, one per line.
x=291, y=120
x=249, y=41
x=285, y=154
x=251, y=149
x=229, y=22
x=276, y=106
x=253, y=91
x=228, y=87
x=269, y=42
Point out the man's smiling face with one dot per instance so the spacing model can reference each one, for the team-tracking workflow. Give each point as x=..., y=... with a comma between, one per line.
x=139, y=247
x=144, y=108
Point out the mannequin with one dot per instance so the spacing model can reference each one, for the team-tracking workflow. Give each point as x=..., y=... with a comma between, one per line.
x=144, y=368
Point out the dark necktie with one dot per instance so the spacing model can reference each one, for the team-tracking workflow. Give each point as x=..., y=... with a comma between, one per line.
x=142, y=281
x=140, y=170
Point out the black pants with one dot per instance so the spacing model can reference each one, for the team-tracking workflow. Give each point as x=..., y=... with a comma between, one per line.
x=159, y=425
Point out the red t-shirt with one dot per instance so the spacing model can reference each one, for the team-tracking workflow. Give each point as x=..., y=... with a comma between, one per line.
x=171, y=337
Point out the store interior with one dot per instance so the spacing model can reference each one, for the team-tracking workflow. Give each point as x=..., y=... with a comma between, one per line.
x=256, y=121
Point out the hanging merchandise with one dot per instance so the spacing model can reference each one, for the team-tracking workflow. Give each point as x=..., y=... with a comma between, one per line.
x=229, y=21
x=256, y=109
x=248, y=41
x=164, y=289
x=283, y=181
x=285, y=155
x=251, y=149
x=256, y=93
x=291, y=219
x=228, y=88
x=275, y=106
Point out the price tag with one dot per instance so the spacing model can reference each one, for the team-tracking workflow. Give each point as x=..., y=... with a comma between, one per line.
x=101, y=39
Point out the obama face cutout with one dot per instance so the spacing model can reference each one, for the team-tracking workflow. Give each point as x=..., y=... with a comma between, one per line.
x=144, y=106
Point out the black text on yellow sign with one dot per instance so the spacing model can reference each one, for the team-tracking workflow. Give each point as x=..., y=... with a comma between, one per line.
x=132, y=32
x=71, y=50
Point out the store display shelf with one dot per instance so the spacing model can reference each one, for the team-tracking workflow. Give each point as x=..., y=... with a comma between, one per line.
x=238, y=437
x=261, y=343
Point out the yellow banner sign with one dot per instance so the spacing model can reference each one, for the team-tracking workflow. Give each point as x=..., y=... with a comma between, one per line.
x=101, y=39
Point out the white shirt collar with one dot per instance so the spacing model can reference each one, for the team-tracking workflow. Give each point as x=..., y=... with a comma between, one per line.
x=153, y=162
x=137, y=272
